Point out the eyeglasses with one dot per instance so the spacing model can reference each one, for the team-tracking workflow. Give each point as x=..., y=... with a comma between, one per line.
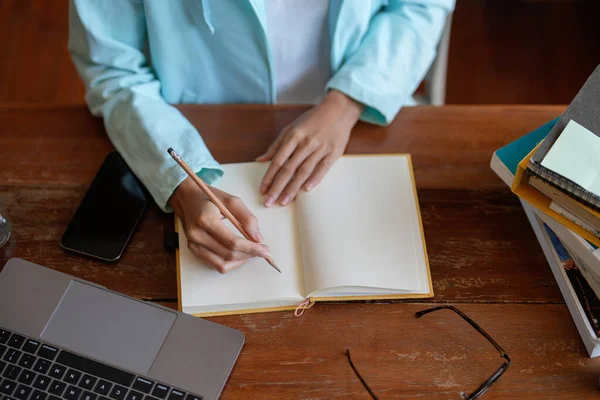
x=484, y=386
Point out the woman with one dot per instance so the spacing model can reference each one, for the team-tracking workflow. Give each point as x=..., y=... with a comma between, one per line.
x=353, y=59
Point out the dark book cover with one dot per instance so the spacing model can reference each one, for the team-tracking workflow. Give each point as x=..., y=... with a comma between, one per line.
x=583, y=110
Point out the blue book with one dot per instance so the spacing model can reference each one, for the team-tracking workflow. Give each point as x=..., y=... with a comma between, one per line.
x=513, y=153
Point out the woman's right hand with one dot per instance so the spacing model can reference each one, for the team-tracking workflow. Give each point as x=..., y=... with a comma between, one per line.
x=207, y=235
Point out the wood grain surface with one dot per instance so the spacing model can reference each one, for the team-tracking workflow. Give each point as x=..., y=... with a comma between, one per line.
x=484, y=257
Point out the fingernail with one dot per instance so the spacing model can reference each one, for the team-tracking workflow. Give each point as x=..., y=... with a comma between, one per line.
x=257, y=236
x=285, y=201
x=269, y=201
x=264, y=253
x=309, y=186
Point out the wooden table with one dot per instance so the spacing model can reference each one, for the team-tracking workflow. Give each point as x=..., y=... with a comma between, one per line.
x=484, y=258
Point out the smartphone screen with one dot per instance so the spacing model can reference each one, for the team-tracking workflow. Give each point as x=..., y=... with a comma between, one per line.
x=108, y=213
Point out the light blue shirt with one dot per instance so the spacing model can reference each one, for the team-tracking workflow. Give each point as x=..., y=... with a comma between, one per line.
x=137, y=57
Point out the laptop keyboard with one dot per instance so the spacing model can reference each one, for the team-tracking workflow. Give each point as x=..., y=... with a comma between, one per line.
x=31, y=370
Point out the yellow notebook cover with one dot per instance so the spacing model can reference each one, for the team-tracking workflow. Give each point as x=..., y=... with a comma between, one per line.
x=524, y=190
x=313, y=300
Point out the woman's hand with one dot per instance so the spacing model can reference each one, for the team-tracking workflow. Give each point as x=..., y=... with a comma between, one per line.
x=306, y=149
x=208, y=237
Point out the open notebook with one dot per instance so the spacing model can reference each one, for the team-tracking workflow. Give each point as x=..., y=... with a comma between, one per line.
x=356, y=236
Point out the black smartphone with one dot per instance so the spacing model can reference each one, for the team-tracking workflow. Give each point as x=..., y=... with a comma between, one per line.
x=108, y=213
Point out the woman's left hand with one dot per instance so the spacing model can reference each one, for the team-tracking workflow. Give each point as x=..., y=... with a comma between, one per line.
x=306, y=149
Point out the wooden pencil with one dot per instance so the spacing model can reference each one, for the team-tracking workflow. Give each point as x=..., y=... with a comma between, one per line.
x=211, y=196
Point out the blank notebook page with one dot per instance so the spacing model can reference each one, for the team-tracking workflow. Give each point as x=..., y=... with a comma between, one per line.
x=360, y=227
x=256, y=281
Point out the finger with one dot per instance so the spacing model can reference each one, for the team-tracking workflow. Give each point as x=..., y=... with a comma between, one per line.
x=286, y=174
x=284, y=152
x=218, y=263
x=225, y=236
x=204, y=239
x=245, y=216
x=319, y=172
x=302, y=174
x=273, y=147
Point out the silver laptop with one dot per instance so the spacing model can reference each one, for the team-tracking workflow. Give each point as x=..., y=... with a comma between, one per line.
x=65, y=338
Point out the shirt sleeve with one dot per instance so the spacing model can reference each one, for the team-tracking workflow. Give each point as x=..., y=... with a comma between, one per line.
x=107, y=41
x=393, y=58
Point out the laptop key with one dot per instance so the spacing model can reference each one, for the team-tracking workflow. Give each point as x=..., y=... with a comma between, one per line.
x=133, y=395
x=87, y=382
x=95, y=368
x=41, y=382
x=12, y=372
x=143, y=384
x=160, y=391
x=22, y=392
x=27, y=360
x=193, y=397
x=53, y=398
x=2, y=349
x=12, y=355
x=176, y=395
x=31, y=346
x=16, y=341
x=7, y=387
x=118, y=393
x=4, y=334
x=88, y=396
x=103, y=387
x=38, y=395
x=72, y=377
x=2, y=365
x=57, y=387
x=48, y=352
x=26, y=377
x=72, y=393
x=148, y=397
x=57, y=371
x=41, y=366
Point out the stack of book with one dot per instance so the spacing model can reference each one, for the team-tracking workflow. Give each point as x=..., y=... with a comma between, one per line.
x=555, y=170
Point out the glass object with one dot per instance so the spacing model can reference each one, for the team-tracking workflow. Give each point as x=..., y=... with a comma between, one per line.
x=484, y=386
x=4, y=228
